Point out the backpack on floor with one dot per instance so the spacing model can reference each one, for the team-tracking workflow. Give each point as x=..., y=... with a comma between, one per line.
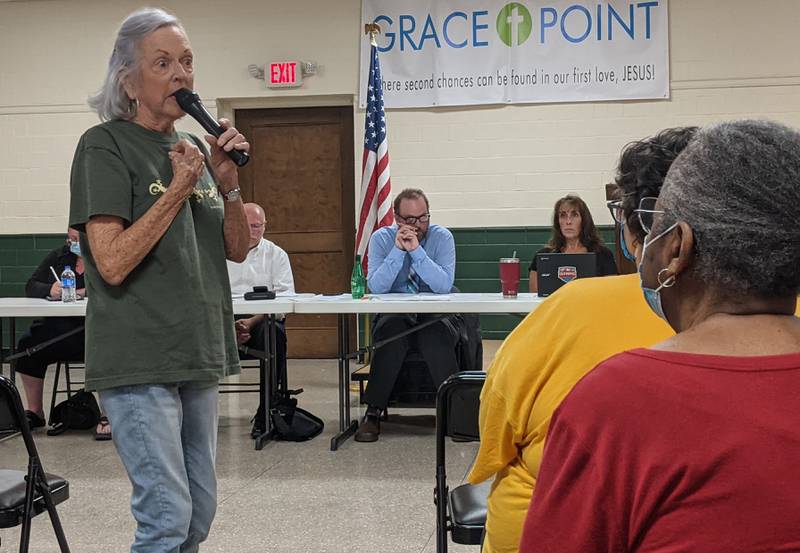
x=291, y=423
x=78, y=412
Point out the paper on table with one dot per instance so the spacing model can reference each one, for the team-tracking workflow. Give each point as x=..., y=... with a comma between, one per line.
x=320, y=297
x=412, y=297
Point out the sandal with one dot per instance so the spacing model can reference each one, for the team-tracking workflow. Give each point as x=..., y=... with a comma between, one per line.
x=102, y=436
x=34, y=420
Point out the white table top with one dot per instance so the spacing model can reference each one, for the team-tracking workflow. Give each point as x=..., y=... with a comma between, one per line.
x=34, y=307
x=311, y=304
x=420, y=303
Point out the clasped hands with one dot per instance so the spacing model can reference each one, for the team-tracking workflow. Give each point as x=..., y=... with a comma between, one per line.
x=406, y=238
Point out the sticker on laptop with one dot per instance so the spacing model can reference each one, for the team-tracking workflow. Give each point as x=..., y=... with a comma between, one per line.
x=566, y=274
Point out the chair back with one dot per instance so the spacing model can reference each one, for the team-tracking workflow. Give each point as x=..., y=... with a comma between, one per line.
x=12, y=415
x=8, y=421
x=457, y=407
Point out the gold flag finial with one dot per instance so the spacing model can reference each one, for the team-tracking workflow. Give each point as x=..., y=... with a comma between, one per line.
x=373, y=30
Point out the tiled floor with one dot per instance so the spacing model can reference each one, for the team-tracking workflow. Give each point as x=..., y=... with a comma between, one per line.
x=287, y=498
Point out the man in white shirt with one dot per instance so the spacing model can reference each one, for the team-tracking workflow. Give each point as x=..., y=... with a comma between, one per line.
x=265, y=265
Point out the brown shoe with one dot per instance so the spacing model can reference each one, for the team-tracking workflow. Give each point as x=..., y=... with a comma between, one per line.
x=369, y=429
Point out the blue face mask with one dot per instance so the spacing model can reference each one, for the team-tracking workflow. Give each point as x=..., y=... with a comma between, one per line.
x=624, y=244
x=75, y=247
x=653, y=295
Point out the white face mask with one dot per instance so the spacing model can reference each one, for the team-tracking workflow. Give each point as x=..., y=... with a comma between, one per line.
x=653, y=295
x=75, y=247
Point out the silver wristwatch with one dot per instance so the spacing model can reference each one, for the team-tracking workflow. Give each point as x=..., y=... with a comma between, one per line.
x=233, y=195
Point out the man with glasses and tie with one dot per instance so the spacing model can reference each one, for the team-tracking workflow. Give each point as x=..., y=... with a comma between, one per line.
x=412, y=256
x=268, y=265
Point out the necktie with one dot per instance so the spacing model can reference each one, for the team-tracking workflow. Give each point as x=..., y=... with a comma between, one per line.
x=412, y=286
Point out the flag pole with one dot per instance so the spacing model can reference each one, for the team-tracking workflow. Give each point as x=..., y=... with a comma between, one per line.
x=373, y=30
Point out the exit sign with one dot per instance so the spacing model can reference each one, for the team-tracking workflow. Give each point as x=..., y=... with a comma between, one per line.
x=284, y=74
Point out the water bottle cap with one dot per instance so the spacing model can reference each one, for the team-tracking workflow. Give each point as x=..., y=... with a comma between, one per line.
x=67, y=267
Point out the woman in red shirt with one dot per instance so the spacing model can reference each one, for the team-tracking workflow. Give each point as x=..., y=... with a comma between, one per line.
x=693, y=445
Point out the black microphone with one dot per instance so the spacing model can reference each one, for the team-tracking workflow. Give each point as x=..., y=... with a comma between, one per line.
x=190, y=103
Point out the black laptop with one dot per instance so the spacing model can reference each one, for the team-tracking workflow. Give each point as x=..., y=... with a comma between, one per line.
x=554, y=270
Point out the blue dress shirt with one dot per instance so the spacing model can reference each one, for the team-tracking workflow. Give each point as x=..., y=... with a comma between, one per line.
x=434, y=261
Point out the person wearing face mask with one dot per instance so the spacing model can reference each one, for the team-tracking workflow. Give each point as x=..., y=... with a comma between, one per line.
x=32, y=368
x=568, y=334
x=692, y=443
x=574, y=231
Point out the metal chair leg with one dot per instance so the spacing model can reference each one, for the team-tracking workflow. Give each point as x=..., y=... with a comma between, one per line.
x=56, y=378
x=68, y=379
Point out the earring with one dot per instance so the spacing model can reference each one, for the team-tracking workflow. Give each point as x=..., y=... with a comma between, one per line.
x=668, y=282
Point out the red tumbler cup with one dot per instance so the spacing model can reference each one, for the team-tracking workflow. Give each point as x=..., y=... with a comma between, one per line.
x=509, y=276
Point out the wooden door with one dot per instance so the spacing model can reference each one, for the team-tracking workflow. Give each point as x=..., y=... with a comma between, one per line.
x=301, y=173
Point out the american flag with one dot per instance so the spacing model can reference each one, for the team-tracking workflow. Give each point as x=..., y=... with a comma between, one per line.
x=376, y=186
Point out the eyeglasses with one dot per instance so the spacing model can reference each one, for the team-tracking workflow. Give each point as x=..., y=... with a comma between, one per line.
x=615, y=208
x=424, y=218
x=647, y=212
x=257, y=226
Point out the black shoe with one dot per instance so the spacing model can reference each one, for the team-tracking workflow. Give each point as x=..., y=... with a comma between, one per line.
x=369, y=429
x=258, y=423
x=34, y=420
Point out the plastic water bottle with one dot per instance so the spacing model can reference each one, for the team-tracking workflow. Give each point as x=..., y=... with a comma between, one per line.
x=68, y=292
x=358, y=285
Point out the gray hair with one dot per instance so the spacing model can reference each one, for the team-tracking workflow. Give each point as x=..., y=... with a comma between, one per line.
x=111, y=101
x=737, y=184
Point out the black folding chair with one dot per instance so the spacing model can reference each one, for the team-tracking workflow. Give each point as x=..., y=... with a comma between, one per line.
x=462, y=511
x=23, y=495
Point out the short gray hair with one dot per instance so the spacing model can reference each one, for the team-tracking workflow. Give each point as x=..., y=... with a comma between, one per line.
x=737, y=184
x=111, y=101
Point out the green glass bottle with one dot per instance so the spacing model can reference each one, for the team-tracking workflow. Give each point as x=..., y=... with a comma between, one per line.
x=358, y=285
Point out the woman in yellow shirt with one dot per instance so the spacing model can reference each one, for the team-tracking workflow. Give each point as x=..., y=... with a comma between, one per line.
x=576, y=328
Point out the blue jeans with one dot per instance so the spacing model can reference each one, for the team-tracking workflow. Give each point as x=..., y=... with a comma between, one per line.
x=166, y=436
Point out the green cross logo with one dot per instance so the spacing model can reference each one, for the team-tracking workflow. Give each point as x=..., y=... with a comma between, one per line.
x=514, y=24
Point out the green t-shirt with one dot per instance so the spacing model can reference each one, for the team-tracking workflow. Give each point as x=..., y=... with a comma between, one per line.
x=171, y=320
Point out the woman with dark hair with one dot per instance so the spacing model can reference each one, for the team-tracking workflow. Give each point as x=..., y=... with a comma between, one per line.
x=692, y=444
x=574, y=232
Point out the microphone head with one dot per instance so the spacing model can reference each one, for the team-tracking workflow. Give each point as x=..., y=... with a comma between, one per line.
x=186, y=98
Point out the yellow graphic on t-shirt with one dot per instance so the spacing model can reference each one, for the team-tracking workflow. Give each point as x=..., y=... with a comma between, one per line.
x=157, y=188
x=199, y=194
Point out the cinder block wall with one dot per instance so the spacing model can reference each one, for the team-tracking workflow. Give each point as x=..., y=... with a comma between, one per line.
x=483, y=167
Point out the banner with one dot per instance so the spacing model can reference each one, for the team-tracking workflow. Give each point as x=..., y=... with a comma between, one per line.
x=468, y=52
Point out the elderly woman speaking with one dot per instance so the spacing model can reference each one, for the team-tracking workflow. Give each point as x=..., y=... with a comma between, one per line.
x=158, y=217
x=692, y=445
